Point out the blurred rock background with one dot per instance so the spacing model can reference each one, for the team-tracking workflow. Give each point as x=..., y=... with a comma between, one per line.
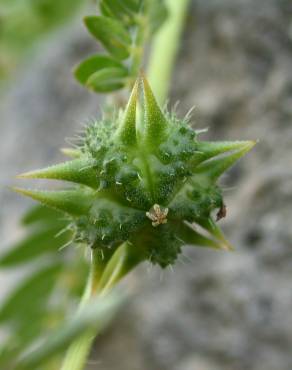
x=215, y=310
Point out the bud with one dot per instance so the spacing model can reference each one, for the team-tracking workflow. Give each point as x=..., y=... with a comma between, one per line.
x=143, y=178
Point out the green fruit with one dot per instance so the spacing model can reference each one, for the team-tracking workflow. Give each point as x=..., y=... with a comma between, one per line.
x=143, y=177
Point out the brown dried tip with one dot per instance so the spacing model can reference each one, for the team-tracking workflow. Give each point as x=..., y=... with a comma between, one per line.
x=222, y=212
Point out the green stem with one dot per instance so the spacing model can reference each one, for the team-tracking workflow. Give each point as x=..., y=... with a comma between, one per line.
x=137, y=50
x=79, y=350
x=165, y=48
x=123, y=261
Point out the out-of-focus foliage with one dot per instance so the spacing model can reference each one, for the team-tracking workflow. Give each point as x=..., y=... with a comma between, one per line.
x=97, y=313
x=23, y=22
x=40, y=302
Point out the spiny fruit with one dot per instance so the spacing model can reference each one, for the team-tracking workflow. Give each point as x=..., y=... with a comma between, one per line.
x=143, y=176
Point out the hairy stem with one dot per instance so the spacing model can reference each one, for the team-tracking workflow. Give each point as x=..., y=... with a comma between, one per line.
x=165, y=48
x=122, y=262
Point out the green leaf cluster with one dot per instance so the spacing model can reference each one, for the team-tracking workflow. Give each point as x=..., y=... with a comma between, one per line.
x=123, y=28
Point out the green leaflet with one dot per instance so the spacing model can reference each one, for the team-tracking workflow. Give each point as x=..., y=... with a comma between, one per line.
x=107, y=79
x=133, y=5
x=111, y=33
x=128, y=12
x=94, y=64
x=119, y=10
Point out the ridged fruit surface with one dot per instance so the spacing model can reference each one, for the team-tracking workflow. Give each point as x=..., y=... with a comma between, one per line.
x=143, y=176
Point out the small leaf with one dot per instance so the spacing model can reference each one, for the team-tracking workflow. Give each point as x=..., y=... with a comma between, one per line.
x=111, y=33
x=105, y=10
x=31, y=296
x=134, y=5
x=127, y=11
x=38, y=243
x=80, y=171
x=93, y=64
x=107, y=79
x=116, y=9
x=72, y=202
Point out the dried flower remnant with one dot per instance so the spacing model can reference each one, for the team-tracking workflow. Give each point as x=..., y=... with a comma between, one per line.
x=158, y=215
